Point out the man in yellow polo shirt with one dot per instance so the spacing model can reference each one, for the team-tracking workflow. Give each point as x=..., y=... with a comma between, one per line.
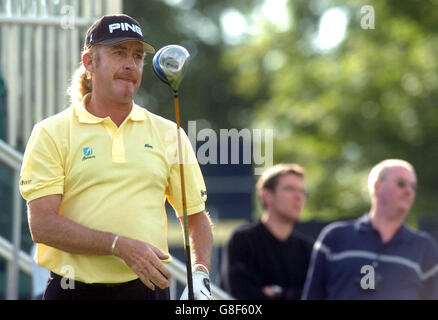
x=96, y=177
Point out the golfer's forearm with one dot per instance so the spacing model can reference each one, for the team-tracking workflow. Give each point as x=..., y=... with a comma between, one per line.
x=66, y=235
x=201, y=238
x=48, y=227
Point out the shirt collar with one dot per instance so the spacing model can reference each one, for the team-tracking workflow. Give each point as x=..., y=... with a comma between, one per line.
x=364, y=224
x=137, y=113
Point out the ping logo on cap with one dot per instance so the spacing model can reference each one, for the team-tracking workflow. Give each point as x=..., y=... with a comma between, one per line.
x=125, y=27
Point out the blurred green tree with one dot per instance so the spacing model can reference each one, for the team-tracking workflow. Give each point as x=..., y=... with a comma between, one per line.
x=341, y=110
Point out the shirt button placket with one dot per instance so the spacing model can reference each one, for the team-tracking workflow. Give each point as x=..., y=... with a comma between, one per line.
x=118, y=149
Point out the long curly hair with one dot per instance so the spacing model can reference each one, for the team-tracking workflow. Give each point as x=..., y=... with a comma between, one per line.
x=80, y=83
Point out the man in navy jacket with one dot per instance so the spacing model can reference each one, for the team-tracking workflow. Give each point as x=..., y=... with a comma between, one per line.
x=376, y=256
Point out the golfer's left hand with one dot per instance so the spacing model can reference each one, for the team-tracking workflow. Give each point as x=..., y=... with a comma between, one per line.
x=201, y=286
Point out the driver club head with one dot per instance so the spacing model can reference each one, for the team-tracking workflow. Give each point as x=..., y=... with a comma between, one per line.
x=169, y=64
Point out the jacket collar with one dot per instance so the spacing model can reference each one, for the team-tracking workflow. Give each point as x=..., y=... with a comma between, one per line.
x=364, y=224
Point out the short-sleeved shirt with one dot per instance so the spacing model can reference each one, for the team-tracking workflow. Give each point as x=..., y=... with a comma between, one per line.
x=350, y=262
x=112, y=179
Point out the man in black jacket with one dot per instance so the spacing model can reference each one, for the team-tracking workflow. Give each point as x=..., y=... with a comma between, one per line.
x=266, y=259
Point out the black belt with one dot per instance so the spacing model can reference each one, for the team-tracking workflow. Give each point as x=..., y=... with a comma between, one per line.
x=80, y=284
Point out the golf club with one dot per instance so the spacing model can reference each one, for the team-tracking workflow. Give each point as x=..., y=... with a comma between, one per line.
x=169, y=64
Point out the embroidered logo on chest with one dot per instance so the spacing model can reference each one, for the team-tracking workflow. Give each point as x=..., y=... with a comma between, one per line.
x=88, y=153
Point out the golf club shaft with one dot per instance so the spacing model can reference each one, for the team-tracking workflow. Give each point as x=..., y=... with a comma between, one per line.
x=184, y=205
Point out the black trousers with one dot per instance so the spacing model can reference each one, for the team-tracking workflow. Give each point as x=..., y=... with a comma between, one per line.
x=76, y=290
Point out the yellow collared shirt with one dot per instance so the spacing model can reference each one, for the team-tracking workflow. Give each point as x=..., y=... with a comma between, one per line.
x=113, y=179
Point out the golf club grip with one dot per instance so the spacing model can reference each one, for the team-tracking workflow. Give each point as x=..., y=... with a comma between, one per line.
x=184, y=204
